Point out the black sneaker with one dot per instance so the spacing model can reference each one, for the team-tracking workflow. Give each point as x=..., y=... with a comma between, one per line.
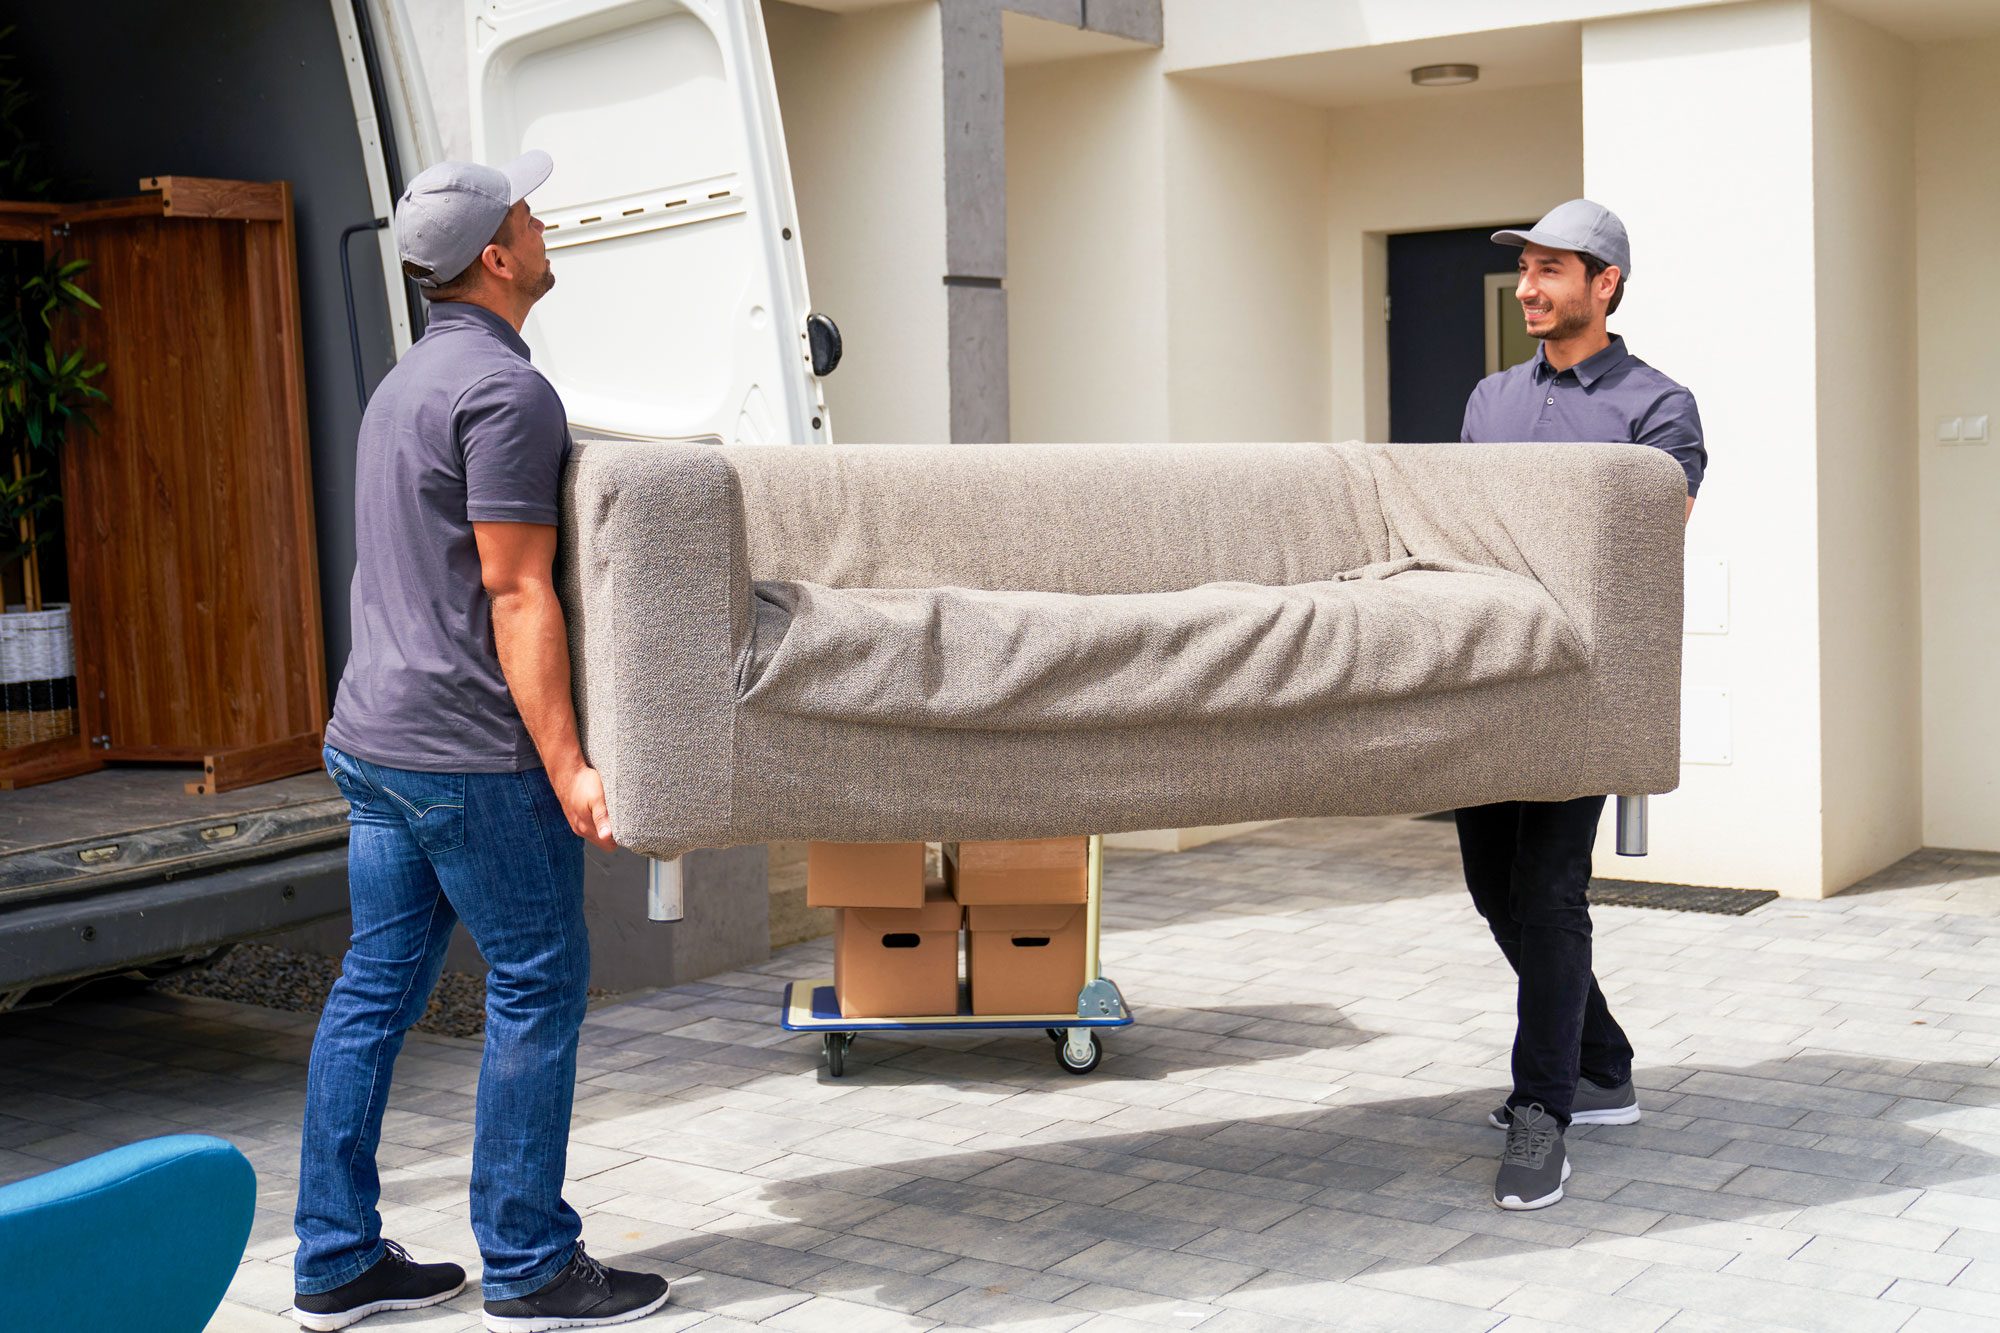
x=394, y=1282
x=1534, y=1164
x=584, y=1295
x=1595, y=1104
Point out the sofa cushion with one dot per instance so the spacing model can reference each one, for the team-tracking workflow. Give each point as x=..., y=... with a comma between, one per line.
x=1041, y=661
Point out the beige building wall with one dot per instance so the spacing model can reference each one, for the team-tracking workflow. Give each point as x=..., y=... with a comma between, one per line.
x=1958, y=292
x=863, y=104
x=1167, y=271
x=1871, y=716
x=1086, y=250
x=1217, y=32
x=1739, y=325
x=1249, y=327
x=1462, y=161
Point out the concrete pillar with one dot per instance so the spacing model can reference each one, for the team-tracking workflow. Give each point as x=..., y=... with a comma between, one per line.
x=726, y=923
x=975, y=210
x=1718, y=136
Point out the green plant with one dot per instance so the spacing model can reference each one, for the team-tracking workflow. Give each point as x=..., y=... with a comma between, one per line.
x=45, y=384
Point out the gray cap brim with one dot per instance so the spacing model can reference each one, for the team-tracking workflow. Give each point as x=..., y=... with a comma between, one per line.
x=526, y=173
x=1533, y=237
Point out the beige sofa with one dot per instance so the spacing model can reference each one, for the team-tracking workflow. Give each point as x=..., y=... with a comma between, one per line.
x=917, y=642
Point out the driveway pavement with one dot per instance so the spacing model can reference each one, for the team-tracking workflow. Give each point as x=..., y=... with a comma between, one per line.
x=1293, y=1137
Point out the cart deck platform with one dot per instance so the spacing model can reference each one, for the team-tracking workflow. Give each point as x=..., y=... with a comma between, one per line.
x=812, y=1006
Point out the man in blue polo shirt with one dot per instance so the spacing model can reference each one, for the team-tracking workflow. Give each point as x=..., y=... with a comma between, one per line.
x=469, y=797
x=1527, y=863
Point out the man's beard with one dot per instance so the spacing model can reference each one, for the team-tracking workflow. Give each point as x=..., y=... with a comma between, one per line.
x=548, y=280
x=1570, y=320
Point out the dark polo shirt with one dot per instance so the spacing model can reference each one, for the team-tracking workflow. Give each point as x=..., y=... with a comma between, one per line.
x=1610, y=398
x=464, y=430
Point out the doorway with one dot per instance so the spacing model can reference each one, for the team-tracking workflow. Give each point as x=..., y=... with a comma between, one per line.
x=1452, y=321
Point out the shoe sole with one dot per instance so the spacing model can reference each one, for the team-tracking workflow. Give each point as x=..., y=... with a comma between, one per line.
x=496, y=1323
x=1617, y=1115
x=327, y=1323
x=1516, y=1205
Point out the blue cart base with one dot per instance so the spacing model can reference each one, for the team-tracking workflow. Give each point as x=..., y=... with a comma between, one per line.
x=810, y=1006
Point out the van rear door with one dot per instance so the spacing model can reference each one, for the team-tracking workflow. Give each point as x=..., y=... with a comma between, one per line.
x=680, y=308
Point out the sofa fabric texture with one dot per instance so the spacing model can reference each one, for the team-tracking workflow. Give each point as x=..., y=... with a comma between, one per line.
x=862, y=643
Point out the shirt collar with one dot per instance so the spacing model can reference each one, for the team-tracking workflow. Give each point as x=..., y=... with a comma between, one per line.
x=1587, y=371
x=449, y=314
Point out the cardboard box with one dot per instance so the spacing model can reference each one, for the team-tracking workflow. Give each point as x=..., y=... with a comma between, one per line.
x=1045, y=871
x=865, y=874
x=898, y=963
x=1025, y=960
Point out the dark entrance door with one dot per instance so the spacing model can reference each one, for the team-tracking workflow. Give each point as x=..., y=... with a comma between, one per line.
x=1439, y=316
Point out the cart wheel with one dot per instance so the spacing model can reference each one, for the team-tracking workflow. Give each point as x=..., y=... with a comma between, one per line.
x=1057, y=1035
x=835, y=1045
x=1080, y=1051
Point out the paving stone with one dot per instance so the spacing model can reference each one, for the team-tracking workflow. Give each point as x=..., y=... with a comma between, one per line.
x=1023, y=1244
x=1008, y=1279
x=825, y=1314
x=1565, y=1308
x=1952, y=1300
x=742, y=1298
x=1373, y=1235
x=1323, y=1024
x=1573, y=1268
x=1346, y=1306
x=985, y=1309
x=1773, y=1305
x=1792, y=1272
x=1191, y=1203
x=1167, y=1273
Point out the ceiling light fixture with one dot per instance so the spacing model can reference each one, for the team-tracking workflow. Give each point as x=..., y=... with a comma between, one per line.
x=1443, y=76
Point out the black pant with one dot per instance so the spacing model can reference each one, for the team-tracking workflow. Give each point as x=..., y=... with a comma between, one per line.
x=1527, y=864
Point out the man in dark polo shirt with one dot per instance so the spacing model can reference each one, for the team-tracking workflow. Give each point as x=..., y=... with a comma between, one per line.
x=454, y=740
x=1527, y=863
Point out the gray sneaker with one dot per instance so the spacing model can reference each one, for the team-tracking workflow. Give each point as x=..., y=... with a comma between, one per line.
x=1534, y=1164
x=1594, y=1105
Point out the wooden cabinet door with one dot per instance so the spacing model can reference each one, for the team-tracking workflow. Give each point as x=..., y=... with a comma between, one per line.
x=193, y=565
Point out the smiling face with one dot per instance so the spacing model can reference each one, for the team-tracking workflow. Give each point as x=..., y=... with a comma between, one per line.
x=1558, y=297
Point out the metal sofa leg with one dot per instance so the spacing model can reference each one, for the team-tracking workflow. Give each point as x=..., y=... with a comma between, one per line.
x=663, y=889
x=1631, y=826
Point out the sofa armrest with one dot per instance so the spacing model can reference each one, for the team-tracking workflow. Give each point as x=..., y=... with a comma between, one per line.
x=652, y=576
x=1601, y=527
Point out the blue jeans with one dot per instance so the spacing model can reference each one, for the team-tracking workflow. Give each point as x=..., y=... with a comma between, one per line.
x=427, y=850
x=1527, y=864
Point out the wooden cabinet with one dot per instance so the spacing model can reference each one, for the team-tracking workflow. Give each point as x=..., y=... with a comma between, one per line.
x=193, y=572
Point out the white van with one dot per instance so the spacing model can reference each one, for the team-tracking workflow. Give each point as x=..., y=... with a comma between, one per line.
x=682, y=313
x=683, y=310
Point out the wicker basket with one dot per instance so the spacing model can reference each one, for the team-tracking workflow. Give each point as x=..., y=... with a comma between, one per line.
x=37, y=676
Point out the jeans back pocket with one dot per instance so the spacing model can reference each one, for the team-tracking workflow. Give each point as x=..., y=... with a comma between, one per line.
x=432, y=804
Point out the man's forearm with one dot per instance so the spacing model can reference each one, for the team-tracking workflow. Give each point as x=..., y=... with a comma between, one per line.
x=533, y=641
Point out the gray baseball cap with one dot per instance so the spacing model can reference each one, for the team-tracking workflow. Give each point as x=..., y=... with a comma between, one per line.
x=450, y=212
x=1579, y=225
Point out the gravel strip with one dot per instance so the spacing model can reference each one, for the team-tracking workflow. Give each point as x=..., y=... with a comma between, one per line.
x=282, y=979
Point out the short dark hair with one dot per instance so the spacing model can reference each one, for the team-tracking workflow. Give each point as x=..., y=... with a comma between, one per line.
x=458, y=288
x=1592, y=266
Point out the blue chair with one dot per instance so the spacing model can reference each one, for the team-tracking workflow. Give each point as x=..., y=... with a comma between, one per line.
x=144, y=1237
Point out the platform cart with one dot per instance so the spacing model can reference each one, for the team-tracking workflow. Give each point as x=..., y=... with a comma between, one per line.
x=810, y=1006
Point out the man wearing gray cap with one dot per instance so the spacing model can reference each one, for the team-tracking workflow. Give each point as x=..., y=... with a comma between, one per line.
x=1527, y=863
x=469, y=798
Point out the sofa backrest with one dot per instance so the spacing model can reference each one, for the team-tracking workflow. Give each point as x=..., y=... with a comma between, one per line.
x=1086, y=518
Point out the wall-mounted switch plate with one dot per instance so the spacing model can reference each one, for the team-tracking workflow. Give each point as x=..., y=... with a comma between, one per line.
x=1972, y=430
x=1949, y=429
